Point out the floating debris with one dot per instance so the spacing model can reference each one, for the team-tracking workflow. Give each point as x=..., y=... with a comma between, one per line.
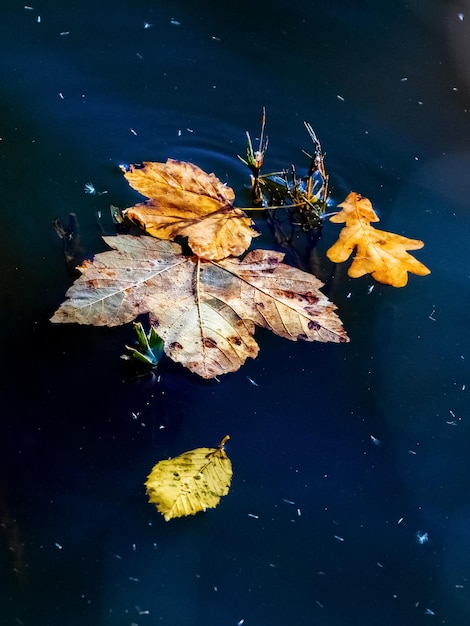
x=421, y=537
x=90, y=189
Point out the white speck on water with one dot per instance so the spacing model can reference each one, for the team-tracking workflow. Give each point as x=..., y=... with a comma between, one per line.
x=370, y=289
x=134, y=547
x=421, y=537
x=253, y=515
x=338, y=538
x=340, y=97
x=288, y=501
x=404, y=79
x=174, y=22
x=134, y=580
x=89, y=188
x=64, y=33
x=58, y=546
x=240, y=622
x=133, y=131
x=461, y=16
x=142, y=611
x=375, y=441
x=147, y=25
x=299, y=512
x=429, y=612
x=252, y=382
x=400, y=520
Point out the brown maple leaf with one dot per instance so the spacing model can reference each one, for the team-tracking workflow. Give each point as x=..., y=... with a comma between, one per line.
x=184, y=200
x=205, y=311
x=379, y=253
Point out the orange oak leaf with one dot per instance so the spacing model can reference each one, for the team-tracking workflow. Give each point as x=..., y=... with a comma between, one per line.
x=379, y=253
x=205, y=311
x=185, y=201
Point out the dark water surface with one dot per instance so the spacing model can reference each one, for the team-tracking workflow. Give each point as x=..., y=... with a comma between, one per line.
x=334, y=538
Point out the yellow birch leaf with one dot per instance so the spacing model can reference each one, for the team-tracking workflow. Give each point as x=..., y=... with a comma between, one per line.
x=191, y=482
x=186, y=201
x=379, y=253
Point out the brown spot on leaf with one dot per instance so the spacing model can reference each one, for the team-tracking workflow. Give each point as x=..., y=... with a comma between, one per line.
x=175, y=346
x=235, y=340
x=313, y=325
x=208, y=342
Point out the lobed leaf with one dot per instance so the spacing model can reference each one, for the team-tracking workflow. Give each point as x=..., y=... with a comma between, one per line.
x=186, y=201
x=205, y=311
x=379, y=253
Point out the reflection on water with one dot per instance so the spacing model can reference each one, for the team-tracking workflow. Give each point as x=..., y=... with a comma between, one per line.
x=385, y=87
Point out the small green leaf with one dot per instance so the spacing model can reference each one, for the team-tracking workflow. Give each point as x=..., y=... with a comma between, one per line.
x=150, y=347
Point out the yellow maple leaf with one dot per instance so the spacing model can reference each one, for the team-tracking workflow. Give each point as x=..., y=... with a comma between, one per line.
x=191, y=482
x=379, y=253
x=186, y=201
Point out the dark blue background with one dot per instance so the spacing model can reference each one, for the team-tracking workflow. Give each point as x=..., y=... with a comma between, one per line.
x=73, y=455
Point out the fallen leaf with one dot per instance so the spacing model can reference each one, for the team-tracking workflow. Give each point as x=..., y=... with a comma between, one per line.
x=379, y=253
x=191, y=482
x=205, y=311
x=185, y=201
